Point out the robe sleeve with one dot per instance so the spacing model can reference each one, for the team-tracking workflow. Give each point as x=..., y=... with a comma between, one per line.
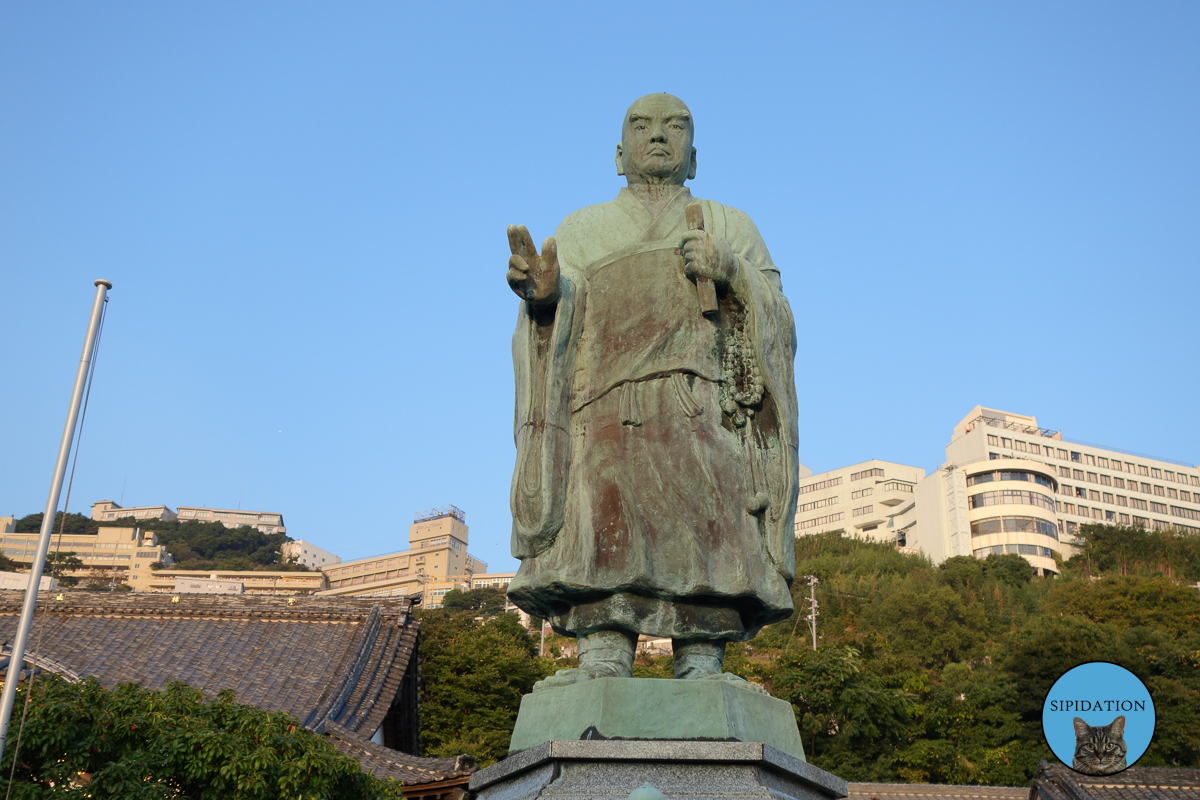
x=772, y=330
x=544, y=346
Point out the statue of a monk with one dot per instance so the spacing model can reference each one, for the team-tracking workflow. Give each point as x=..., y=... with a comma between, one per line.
x=656, y=477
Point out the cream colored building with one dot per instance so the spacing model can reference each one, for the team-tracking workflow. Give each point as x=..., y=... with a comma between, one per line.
x=309, y=554
x=125, y=551
x=436, y=562
x=1008, y=486
x=108, y=510
x=860, y=499
x=253, y=581
x=7, y=525
x=265, y=521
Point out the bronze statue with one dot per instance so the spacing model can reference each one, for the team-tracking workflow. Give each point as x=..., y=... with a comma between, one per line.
x=656, y=476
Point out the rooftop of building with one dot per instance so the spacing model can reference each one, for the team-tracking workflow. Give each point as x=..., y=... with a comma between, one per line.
x=340, y=677
x=1057, y=782
x=926, y=791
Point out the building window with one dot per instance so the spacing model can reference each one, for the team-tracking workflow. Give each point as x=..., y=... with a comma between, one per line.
x=1105, y=480
x=1145, y=488
x=1102, y=461
x=1093, y=494
x=1064, y=472
x=819, y=485
x=866, y=473
x=1116, y=465
x=1081, y=492
x=984, y=527
x=1124, y=518
x=1069, y=508
x=858, y=512
x=1021, y=446
x=1171, y=493
x=1158, y=508
x=1155, y=472
x=1008, y=475
x=993, y=440
x=1120, y=482
x=1006, y=443
x=827, y=501
x=1186, y=513
x=1185, y=496
x=812, y=523
x=1035, y=449
x=1138, y=504
x=1108, y=498
x=1076, y=456
x=1092, y=478
x=862, y=493
x=1143, y=470
x=1010, y=497
x=1062, y=454
x=1158, y=490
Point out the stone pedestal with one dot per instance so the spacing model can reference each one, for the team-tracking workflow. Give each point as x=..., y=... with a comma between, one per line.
x=646, y=708
x=613, y=769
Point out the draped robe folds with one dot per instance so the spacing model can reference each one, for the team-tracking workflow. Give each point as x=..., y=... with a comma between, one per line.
x=635, y=497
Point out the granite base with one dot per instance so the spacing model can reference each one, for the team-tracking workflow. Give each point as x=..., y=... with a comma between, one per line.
x=613, y=770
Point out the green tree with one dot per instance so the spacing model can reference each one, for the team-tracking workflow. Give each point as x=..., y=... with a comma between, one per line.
x=473, y=677
x=488, y=601
x=83, y=741
x=76, y=524
x=59, y=563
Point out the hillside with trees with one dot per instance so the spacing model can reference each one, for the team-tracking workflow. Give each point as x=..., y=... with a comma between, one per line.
x=192, y=543
x=921, y=673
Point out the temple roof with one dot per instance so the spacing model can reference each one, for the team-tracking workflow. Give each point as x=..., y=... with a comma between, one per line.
x=334, y=663
x=1057, y=782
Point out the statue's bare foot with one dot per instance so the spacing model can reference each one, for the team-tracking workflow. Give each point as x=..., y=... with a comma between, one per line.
x=574, y=675
x=729, y=677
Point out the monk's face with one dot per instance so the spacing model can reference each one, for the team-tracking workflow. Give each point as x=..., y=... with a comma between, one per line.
x=656, y=141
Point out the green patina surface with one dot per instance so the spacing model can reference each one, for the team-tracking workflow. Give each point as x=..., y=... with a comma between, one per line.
x=648, y=708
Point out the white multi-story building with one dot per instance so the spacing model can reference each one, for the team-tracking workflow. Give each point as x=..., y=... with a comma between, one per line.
x=861, y=498
x=108, y=510
x=309, y=554
x=1008, y=486
x=265, y=521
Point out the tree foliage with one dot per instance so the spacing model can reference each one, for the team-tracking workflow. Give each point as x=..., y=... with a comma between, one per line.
x=487, y=601
x=473, y=675
x=83, y=741
x=922, y=673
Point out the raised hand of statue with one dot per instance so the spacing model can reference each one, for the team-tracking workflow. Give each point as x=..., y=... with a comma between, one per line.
x=706, y=256
x=532, y=277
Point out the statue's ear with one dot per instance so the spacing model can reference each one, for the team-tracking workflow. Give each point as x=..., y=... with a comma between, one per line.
x=692, y=166
x=620, y=161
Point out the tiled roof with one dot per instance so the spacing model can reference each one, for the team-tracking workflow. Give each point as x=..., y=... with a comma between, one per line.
x=387, y=763
x=333, y=662
x=1057, y=782
x=930, y=791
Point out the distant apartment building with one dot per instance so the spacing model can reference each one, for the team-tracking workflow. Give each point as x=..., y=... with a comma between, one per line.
x=1008, y=486
x=436, y=562
x=252, y=581
x=309, y=554
x=859, y=498
x=108, y=510
x=120, y=554
x=265, y=521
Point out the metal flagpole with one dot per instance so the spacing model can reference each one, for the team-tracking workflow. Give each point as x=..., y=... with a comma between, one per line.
x=17, y=658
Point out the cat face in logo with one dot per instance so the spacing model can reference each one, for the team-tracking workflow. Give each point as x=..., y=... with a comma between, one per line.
x=1099, y=750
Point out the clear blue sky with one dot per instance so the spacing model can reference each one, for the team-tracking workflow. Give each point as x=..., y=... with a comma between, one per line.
x=302, y=209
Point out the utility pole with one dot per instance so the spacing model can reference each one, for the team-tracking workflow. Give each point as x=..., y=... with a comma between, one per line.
x=542, y=648
x=812, y=606
x=17, y=659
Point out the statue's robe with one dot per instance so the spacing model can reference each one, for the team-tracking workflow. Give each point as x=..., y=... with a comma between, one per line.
x=636, y=498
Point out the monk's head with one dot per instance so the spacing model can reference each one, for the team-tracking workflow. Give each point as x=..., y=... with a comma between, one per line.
x=656, y=141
